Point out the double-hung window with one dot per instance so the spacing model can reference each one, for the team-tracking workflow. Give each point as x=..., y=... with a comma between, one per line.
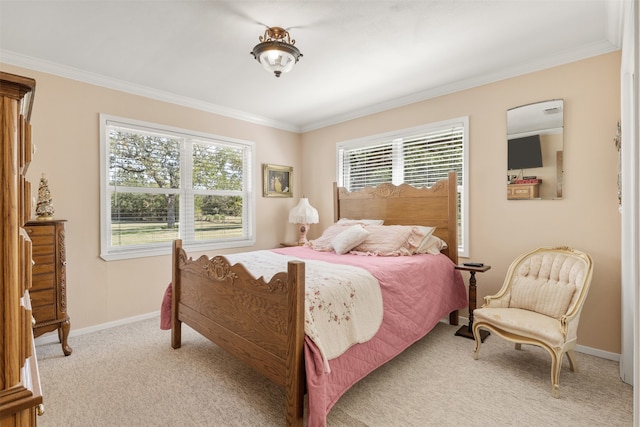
x=419, y=156
x=160, y=183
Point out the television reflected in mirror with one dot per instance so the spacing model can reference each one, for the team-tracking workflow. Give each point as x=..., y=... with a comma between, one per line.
x=524, y=153
x=535, y=151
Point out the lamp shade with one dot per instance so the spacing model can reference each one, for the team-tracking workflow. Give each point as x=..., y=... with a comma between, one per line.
x=304, y=213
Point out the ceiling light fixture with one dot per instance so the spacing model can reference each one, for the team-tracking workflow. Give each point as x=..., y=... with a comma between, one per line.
x=276, y=51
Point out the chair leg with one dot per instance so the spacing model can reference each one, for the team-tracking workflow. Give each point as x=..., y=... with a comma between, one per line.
x=478, y=339
x=572, y=361
x=556, y=365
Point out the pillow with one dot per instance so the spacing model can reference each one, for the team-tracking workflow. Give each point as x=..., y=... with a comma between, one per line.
x=428, y=231
x=432, y=245
x=541, y=295
x=391, y=240
x=324, y=242
x=349, y=239
x=346, y=221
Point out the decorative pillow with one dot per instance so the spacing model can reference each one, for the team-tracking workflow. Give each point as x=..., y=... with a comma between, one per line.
x=541, y=295
x=346, y=221
x=432, y=245
x=324, y=242
x=390, y=240
x=349, y=239
x=428, y=231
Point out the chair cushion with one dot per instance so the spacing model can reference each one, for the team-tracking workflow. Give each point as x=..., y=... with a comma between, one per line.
x=522, y=322
x=546, y=283
x=541, y=296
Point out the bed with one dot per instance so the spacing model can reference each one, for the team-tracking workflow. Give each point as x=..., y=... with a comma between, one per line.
x=262, y=322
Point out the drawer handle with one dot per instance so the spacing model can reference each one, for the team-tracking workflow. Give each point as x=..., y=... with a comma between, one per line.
x=40, y=410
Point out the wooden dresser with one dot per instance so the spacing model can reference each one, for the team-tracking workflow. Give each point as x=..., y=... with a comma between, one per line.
x=20, y=393
x=49, y=279
x=523, y=191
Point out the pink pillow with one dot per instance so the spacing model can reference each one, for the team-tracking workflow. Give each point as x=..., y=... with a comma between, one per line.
x=324, y=242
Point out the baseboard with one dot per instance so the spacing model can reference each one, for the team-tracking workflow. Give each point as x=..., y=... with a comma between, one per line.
x=579, y=348
x=598, y=353
x=52, y=337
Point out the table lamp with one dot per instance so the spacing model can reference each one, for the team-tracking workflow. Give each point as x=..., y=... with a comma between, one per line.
x=303, y=215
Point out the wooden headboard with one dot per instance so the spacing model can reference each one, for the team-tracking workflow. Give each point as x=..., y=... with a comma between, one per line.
x=435, y=206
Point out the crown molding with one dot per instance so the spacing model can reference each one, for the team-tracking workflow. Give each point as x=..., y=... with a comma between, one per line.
x=36, y=64
x=481, y=80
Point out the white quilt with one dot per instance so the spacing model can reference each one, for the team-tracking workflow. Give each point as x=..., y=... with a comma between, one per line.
x=343, y=304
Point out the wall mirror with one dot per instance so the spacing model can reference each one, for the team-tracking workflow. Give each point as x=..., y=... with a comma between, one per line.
x=535, y=144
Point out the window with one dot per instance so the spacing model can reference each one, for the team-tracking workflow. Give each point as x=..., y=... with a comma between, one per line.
x=160, y=183
x=419, y=156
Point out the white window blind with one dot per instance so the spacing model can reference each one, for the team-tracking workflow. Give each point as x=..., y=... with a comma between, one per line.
x=160, y=184
x=418, y=156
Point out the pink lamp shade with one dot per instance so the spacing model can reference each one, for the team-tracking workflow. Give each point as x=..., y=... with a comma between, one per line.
x=303, y=215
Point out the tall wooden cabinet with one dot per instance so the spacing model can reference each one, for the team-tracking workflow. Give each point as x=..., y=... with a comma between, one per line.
x=20, y=394
x=49, y=279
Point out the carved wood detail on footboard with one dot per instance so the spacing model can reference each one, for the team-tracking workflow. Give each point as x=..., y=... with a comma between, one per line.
x=261, y=323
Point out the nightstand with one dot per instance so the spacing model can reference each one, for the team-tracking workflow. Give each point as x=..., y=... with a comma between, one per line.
x=467, y=331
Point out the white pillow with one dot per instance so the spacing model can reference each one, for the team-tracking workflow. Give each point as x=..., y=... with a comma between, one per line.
x=349, y=239
x=346, y=221
x=428, y=231
x=433, y=245
x=391, y=240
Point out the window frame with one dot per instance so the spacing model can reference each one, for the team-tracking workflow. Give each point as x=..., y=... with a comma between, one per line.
x=408, y=133
x=109, y=252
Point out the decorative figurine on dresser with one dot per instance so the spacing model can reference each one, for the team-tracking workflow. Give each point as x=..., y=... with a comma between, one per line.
x=49, y=271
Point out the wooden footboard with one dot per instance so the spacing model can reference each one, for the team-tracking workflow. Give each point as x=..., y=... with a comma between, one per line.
x=258, y=322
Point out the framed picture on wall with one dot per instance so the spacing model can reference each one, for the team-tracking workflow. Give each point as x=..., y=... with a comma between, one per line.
x=277, y=181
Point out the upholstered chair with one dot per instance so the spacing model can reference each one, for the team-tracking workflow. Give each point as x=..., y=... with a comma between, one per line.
x=540, y=304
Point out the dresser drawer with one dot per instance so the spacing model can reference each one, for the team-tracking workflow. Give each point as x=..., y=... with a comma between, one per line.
x=42, y=269
x=39, y=249
x=44, y=314
x=40, y=230
x=43, y=305
x=43, y=281
x=523, y=191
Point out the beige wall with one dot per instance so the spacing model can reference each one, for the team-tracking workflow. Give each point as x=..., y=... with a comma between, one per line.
x=65, y=127
x=65, y=123
x=586, y=219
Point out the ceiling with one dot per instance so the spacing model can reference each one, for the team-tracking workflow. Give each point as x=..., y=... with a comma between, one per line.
x=360, y=56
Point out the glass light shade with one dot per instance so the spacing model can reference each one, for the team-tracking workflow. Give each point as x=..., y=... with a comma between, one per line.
x=276, y=61
x=276, y=57
x=304, y=213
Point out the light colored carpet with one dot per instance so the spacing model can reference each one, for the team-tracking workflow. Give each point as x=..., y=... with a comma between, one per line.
x=130, y=376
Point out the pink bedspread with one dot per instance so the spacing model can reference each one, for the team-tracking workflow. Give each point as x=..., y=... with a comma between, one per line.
x=417, y=292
